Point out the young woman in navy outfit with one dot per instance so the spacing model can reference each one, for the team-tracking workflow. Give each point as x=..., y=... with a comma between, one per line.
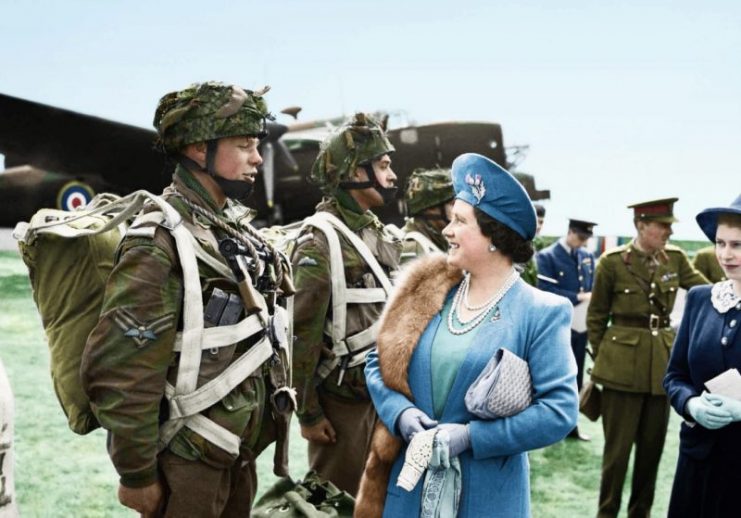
x=708, y=343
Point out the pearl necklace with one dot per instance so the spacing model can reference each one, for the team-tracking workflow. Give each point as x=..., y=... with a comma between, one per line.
x=462, y=293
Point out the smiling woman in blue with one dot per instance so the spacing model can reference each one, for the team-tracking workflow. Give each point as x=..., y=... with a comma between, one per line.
x=447, y=318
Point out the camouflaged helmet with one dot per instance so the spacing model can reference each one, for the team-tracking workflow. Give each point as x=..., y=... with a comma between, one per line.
x=428, y=188
x=208, y=111
x=358, y=141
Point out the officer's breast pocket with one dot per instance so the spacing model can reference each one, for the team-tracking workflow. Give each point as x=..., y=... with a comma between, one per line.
x=616, y=361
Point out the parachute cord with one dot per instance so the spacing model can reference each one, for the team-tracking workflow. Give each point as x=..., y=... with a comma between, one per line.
x=245, y=240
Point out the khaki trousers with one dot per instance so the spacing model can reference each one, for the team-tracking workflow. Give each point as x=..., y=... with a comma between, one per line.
x=195, y=489
x=629, y=418
x=342, y=463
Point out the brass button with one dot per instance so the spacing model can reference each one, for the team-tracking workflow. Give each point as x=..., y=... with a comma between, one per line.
x=613, y=338
x=724, y=340
x=627, y=290
x=653, y=284
x=655, y=333
x=732, y=323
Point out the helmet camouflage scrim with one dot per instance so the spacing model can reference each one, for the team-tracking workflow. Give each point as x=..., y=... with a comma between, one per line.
x=209, y=111
x=428, y=188
x=358, y=141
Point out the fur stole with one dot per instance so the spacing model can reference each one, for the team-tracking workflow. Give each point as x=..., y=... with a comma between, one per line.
x=419, y=295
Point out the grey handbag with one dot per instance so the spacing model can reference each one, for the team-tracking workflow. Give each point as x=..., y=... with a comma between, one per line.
x=503, y=388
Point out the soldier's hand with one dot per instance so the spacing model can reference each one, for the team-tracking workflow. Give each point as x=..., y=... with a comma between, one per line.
x=321, y=432
x=145, y=500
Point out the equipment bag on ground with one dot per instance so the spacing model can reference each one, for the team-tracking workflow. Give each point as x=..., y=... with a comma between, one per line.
x=311, y=498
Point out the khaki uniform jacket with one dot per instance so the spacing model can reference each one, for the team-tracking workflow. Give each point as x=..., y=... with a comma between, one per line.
x=633, y=358
x=312, y=307
x=706, y=262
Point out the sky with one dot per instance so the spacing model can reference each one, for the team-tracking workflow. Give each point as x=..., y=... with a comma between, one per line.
x=620, y=102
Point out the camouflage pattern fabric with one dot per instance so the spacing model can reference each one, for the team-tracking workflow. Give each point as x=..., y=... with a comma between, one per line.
x=358, y=141
x=529, y=272
x=412, y=249
x=428, y=188
x=129, y=354
x=209, y=111
x=312, y=278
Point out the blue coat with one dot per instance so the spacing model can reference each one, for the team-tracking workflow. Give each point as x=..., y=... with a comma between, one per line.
x=697, y=356
x=560, y=274
x=495, y=471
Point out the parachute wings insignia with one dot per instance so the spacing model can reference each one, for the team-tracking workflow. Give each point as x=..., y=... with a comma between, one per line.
x=140, y=332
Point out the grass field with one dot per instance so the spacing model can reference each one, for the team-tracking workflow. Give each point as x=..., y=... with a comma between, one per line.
x=60, y=474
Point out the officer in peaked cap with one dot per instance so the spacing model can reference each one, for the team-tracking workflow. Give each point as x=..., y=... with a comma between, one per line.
x=566, y=268
x=628, y=326
x=335, y=321
x=429, y=199
x=142, y=367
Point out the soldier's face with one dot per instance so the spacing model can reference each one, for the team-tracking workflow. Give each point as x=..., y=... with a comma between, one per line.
x=654, y=234
x=728, y=250
x=468, y=246
x=237, y=158
x=370, y=197
x=385, y=175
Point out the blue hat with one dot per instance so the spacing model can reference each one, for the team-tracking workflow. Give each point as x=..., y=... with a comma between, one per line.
x=708, y=219
x=486, y=185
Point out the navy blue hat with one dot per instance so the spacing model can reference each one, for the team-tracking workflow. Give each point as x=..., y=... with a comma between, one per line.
x=585, y=228
x=708, y=219
x=485, y=184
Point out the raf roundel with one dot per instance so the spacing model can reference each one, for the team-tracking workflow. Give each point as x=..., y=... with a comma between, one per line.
x=74, y=195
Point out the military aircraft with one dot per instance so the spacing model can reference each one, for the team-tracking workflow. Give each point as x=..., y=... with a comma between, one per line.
x=60, y=158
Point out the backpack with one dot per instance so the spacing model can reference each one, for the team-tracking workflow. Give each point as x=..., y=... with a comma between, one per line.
x=69, y=256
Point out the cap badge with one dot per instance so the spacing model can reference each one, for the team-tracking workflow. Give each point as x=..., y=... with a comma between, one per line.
x=477, y=186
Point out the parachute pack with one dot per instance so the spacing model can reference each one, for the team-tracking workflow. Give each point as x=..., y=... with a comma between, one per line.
x=69, y=256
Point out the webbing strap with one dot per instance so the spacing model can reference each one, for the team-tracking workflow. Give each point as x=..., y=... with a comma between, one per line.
x=190, y=355
x=422, y=240
x=222, y=336
x=360, y=246
x=185, y=405
x=119, y=210
x=214, y=433
x=365, y=295
x=329, y=225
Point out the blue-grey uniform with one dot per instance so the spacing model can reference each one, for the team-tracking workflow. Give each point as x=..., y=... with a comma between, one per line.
x=567, y=272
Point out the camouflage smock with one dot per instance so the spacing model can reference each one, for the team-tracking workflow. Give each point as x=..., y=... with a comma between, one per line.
x=125, y=376
x=312, y=305
x=411, y=249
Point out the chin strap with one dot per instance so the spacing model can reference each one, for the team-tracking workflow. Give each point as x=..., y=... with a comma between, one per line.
x=387, y=193
x=235, y=189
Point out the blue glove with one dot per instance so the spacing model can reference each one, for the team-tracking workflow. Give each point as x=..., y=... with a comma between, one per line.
x=413, y=420
x=459, y=439
x=726, y=403
x=707, y=414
